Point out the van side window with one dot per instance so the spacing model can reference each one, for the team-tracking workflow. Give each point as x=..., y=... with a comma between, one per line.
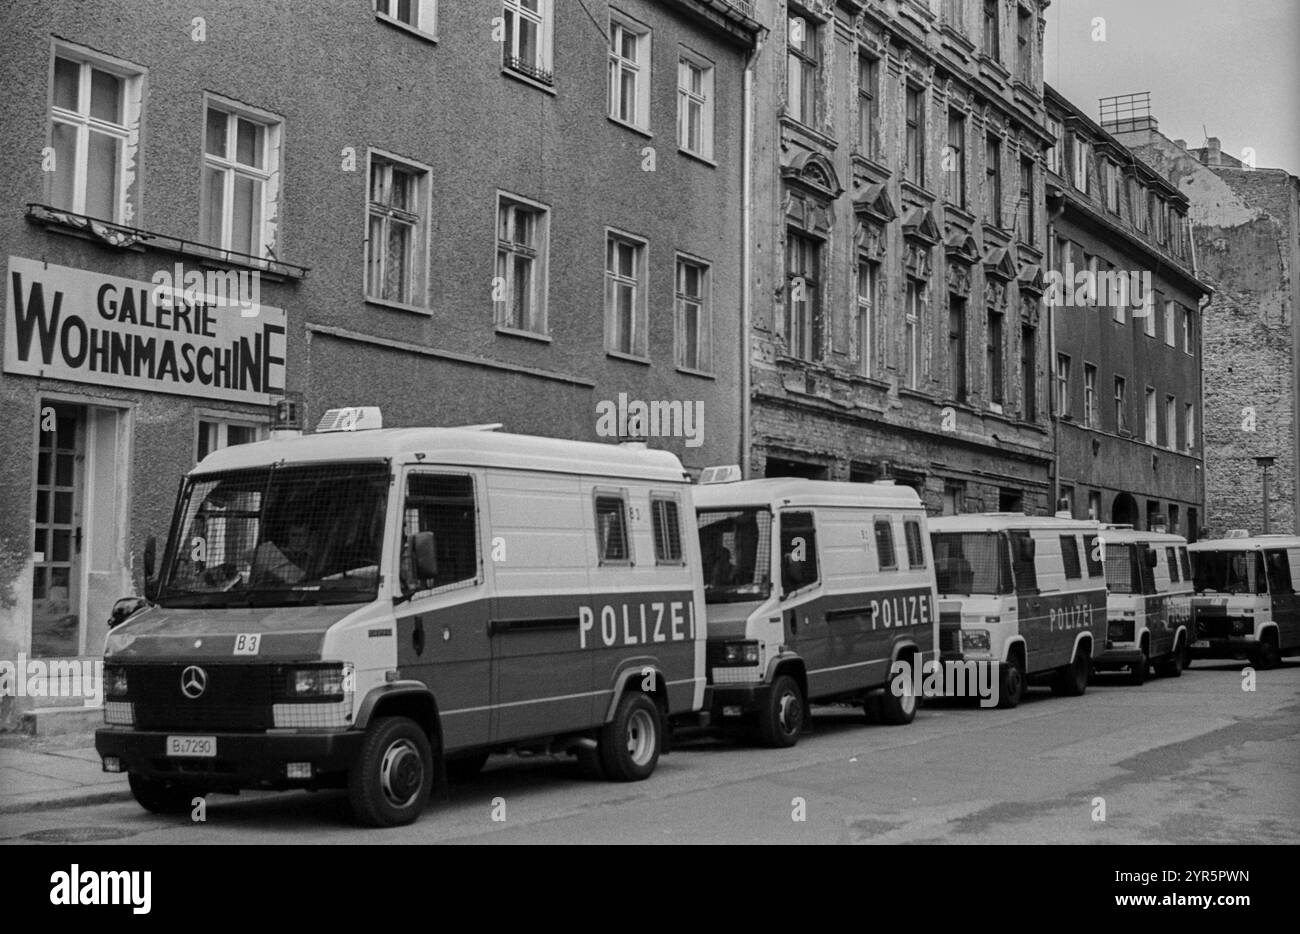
x=915, y=551
x=668, y=530
x=611, y=529
x=444, y=505
x=1022, y=561
x=885, y=545
x=1172, y=557
x=798, y=551
x=1279, y=572
x=1092, y=554
x=1146, y=572
x=1070, y=557
x=1187, y=564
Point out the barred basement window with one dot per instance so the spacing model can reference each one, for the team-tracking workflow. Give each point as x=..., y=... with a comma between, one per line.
x=667, y=529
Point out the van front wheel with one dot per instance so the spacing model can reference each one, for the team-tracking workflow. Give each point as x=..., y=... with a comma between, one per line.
x=1011, y=682
x=781, y=722
x=1267, y=656
x=158, y=797
x=389, y=784
x=630, y=743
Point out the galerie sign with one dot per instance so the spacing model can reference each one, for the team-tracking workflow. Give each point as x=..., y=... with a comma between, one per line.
x=65, y=323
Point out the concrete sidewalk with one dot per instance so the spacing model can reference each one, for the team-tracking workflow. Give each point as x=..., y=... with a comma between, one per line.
x=39, y=772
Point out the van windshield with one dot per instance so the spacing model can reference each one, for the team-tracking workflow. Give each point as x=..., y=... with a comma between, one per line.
x=278, y=536
x=971, y=562
x=1228, y=572
x=736, y=547
x=1122, y=572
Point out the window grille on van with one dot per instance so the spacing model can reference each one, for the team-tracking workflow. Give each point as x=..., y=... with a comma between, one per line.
x=1119, y=569
x=915, y=552
x=1092, y=554
x=1172, y=558
x=1022, y=561
x=668, y=530
x=885, y=544
x=971, y=562
x=611, y=529
x=444, y=505
x=736, y=550
x=798, y=551
x=1070, y=557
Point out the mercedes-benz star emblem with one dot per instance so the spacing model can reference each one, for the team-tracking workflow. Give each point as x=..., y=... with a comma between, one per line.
x=194, y=681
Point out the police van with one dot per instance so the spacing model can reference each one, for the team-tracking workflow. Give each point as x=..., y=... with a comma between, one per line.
x=1149, y=579
x=1025, y=593
x=371, y=608
x=814, y=589
x=1245, y=602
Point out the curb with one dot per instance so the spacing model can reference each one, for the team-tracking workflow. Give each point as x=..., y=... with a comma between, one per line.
x=69, y=799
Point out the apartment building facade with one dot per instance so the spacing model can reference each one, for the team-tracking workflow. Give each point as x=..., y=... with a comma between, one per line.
x=220, y=223
x=1127, y=359
x=899, y=249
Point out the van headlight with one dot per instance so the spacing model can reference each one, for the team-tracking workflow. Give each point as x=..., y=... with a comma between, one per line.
x=329, y=681
x=737, y=653
x=975, y=640
x=115, y=681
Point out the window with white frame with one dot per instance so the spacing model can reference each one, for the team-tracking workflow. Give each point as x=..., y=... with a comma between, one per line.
x=94, y=118
x=803, y=290
x=913, y=310
x=1121, y=404
x=1151, y=426
x=1171, y=323
x=215, y=433
x=694, y=315
x=1110, y=173
x=1171, y=423
x=1054, y=154
x=1189, y=426
x=803, y=69
x=528, y=40
x=868, y=104
x=396, y=231
x=695, y=105
x=1062, y=384
x=420, y=15
x=625, y=298
x=867, y=290
x=1079, y=175
x=1187, y=332
x=1090, y=417
x=241, y=155
x=523, y=229
x=1148, y=303
x=629, y=71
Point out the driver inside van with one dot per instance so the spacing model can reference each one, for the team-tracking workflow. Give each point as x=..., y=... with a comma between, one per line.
x=286, y=563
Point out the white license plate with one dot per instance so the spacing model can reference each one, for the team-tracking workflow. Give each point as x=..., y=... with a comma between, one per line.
x=1201, y=644
x=198, y=747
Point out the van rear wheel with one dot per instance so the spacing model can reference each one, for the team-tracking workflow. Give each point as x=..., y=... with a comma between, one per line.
x=390, y=782
x=781, y=721
x=1072, y=679
x=630, y=743
x=1173, y=666
x=1137, y=672
x=898, y=709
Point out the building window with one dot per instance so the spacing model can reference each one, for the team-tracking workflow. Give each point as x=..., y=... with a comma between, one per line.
x=1115, y=293
x=1024, y=45
x=1065, y=502
x=1171, y=324
x=526, y=48
x=1110, y=180
x=803, y=307
x=1148, y=305
x=953, y=13
x=954, y=159
x=217, y=433
x=1121, y=404
x=396, y=233
x=694, y=316
x=994, y=355
x=803, y=67
x=993, y=181
x=523, y=230
x=629, y=71
x=957, y=346
x=1062, y=384
x=625, y=299
x=1079, y=177
x=241, y=159
x=913, y=310
x=868, y=106
x=1188, y=342
x=1139, y=203
x=991, y=44
x=1029, y=371
x=915, y=164
x=1189, y=426
x=1090, y=419
x=695, y=106
x=868, y=277
x=1054, y=154
x=1171, y=423
x=1151, y=426
x=420, y=15
x=94, y=115
x=1025, y=220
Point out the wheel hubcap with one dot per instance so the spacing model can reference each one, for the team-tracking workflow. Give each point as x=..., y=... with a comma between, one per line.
x=791, y=712
x=640, y=736
x=907, y=700
x=401, y=773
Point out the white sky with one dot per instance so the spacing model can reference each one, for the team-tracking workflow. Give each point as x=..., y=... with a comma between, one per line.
x=1225, y=68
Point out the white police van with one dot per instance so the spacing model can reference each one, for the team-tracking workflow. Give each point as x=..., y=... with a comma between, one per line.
x=814, y=590
x=1246, y=604
x=1026, y=593
x=1149, y=607
x=367, y=608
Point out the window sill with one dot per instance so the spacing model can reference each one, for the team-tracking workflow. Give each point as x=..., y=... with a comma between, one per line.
x=697, y=157
x=523, y=78
x=794, y=123
x=396, y=23
x=619, y=355
x=526, y=335
x=702, y=374
x=630, y=126
x=398, y=306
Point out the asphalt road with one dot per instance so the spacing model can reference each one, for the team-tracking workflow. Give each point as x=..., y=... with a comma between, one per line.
x=1190, y=760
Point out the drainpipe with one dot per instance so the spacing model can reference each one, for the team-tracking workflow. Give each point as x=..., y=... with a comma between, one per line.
x=1053, y=401
x=746, y=254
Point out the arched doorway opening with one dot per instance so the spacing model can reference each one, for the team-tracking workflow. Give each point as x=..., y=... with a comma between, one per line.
x=1124, y=511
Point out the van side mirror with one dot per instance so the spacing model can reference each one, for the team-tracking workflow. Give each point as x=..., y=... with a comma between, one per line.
x=424, y=555
x=124, y=609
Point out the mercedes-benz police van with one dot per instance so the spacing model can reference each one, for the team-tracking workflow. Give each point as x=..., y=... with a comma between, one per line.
x=367, y=608
x=814, y=590
x=1246, y=602
x=1149, y=610
x=1026, y=593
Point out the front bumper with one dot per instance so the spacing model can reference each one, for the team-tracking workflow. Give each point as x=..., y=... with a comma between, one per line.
x=1224, y=648
x=1117, y=657
x=748, y=697
x=243, y=760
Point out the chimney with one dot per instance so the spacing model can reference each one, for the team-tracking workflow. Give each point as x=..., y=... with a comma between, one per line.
x=1212, y=151
x=1180, y=143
